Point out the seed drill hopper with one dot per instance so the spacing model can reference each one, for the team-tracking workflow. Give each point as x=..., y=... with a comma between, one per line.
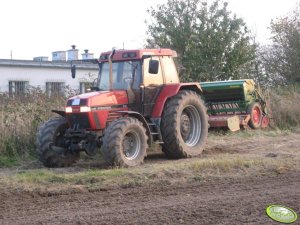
x=235, y=103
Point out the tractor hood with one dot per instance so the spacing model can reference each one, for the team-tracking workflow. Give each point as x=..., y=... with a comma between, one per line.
x=92, y=111
x=100, y=99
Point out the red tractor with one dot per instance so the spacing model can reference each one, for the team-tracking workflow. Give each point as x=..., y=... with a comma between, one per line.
x=137, y=101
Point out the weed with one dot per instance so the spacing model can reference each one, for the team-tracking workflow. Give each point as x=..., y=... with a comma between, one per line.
x=198, y=178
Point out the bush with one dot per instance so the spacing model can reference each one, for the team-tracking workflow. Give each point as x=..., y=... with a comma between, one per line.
x=285, y=107
x=19, y=120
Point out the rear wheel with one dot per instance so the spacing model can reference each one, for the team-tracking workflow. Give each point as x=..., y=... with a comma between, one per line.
x=184, y=125
x=125, y=143
x=256, y=115
x=51, y=146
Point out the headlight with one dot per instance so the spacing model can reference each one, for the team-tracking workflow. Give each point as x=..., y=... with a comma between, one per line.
x=68, y=110
x=85, y=109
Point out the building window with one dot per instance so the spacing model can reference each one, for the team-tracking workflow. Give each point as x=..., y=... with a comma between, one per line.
x=85, y=87
x=17, y=88
x=55, y=88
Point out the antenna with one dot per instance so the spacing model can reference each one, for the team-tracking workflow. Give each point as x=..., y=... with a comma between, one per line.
x=11, y=55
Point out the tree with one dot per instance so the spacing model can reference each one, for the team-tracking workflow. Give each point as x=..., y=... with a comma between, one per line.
x=212, y=44
x=283, y=57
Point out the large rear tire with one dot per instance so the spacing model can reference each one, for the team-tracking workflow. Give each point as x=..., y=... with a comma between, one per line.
x=184, y=125
x=125, y=143
x=52, y=133
x=256, y=115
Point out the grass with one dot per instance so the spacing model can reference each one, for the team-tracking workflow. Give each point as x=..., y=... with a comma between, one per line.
x=45, y=176
x=216, y=135
x=6, y=161
x=53, y=181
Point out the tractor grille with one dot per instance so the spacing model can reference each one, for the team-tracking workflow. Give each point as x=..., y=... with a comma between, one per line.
x=79, y=121
x=113, y=115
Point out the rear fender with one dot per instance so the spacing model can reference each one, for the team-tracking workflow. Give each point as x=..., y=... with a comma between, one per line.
x=171, y=90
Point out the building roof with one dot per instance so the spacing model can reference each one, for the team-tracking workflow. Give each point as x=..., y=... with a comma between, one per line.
x=45, y=64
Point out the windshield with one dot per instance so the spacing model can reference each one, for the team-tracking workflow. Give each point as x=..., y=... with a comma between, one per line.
x=125, y=74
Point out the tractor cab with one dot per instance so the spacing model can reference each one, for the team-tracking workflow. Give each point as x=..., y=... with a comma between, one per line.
x=137, y=74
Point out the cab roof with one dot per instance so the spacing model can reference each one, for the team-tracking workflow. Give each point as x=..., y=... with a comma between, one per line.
x=123, y=54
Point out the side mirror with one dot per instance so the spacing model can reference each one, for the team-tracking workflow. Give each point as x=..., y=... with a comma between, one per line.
x=73, y=71
x=182, y=70
x=153, y=66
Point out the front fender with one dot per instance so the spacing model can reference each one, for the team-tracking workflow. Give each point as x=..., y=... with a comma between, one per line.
x=59, y=112
x=141, y=118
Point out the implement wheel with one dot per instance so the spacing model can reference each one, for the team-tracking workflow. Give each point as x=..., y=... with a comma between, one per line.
x=51, y=146
x=125, y=142
x=184, y=125
x=265, y=122
x=256, y=115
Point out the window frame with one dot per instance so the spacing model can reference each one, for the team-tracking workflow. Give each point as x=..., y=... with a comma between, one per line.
x=17, y=88
x=54, y=91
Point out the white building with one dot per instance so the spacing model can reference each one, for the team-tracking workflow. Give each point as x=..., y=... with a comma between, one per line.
x=51, y=76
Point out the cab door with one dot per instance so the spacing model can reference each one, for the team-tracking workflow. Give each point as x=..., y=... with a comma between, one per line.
x=152, y=85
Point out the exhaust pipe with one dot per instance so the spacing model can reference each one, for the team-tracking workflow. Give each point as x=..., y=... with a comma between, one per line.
x=111, y=69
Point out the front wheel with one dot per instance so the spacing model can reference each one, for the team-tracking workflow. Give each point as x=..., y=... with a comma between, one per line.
x=125, y=142
x=184, y=125
x=51, y=145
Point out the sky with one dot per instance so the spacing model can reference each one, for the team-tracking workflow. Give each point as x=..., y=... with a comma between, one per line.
x=34, y=28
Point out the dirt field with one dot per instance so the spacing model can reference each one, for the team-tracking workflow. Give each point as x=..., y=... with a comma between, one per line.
x=221, y=193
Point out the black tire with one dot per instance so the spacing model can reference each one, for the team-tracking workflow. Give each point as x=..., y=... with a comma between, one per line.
x=52, y=133
x=125, y=142
x=184, y=125
x=256, y=115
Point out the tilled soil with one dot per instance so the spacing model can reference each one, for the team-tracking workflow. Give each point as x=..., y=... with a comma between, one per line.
x=216, y=201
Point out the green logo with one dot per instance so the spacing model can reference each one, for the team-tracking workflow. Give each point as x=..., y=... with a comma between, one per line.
x=281, y=213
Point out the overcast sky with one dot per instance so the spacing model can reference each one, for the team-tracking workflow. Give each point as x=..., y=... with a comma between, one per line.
x=31, y=28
